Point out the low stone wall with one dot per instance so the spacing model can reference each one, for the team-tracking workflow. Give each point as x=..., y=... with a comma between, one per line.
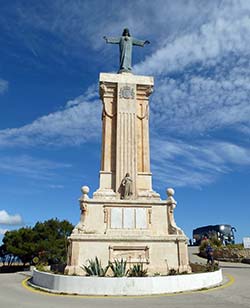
x=125, y=285
x=229, y=254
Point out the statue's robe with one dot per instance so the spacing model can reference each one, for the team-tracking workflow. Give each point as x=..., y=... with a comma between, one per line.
x=125, y=44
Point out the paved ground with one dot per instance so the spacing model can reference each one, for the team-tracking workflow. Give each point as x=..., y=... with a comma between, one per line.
x=13, y=294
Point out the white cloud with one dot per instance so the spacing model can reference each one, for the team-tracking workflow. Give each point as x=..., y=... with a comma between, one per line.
x=203, y=75
x=201, y=62
x=56, y=186
x=81, y=24
x=196, y=103
x=78, y=123
x=7, y=219
x=193, y=104
x=3, y=231
x=3, y=86
x=27, y=166
x=227, y=32
x=176, y=163
x=89, y=95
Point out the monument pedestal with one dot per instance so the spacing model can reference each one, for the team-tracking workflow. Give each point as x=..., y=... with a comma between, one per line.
x=131, y=230
x=126, y=219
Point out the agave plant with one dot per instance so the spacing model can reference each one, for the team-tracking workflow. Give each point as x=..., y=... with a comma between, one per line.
x=119, y=268
x=94, y=268
x=137, y=271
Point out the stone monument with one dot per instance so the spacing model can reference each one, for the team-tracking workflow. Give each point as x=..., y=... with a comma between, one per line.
x=126, y=218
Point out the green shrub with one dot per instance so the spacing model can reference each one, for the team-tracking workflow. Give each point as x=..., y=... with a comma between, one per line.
x=137, y=271
x=212, y=267
x=119, y=268
x=94, y=268
x=214, y=243
x=232, y=246
x=42, y=267
x=203, y=268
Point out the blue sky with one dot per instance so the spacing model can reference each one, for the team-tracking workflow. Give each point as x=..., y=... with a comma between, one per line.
x=50, y=122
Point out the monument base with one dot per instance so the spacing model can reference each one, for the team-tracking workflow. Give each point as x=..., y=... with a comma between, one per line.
x=137, y=231
x=158, y=255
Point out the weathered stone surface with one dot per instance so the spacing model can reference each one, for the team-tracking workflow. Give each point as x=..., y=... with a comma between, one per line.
x=125, y=146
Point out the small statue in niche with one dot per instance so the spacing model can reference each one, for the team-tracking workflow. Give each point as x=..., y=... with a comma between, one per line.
x=126, y=187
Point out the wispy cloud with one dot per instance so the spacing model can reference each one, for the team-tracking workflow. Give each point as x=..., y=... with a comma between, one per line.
x=197, y=103
x=27, y=166
x=226, y=33
x=176, y=163
x=56, y=186
x=3, y=86
x=79, y=122
x=203, y=75
x=200, y=59
x=76, y=25
x=8, y=219
x=3, y=231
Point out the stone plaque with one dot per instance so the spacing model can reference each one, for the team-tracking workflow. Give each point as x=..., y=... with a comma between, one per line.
x=132, y=254
x=128, y=218
x=116, y=218
x=141, y=218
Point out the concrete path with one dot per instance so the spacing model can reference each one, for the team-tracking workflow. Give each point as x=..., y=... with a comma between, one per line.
x=193, y=255
x=236, y=294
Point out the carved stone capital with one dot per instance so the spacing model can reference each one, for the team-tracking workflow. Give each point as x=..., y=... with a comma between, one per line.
x=150, y=90
x=102, y=89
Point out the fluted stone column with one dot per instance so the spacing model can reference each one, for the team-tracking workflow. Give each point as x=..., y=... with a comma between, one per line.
x=125, y=135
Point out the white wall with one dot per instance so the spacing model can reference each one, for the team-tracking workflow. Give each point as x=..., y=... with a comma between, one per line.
x=125, y=285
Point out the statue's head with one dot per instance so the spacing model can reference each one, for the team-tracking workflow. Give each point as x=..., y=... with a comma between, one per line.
x=126, y=32
x=127, y=175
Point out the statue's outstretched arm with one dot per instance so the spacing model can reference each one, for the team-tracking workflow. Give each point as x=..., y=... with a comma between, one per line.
x=112, y=40
x=140, y=42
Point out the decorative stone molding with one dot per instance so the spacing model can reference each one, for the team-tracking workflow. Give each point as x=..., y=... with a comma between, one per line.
x=85, y=191
x=171, y=204
x=105, y=113
x=127, y=92
x=149, y=90
x=145, y=115
x=103, y=89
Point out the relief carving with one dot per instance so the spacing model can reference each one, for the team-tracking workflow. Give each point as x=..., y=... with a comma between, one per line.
x=127, y=92
x=132, y=254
